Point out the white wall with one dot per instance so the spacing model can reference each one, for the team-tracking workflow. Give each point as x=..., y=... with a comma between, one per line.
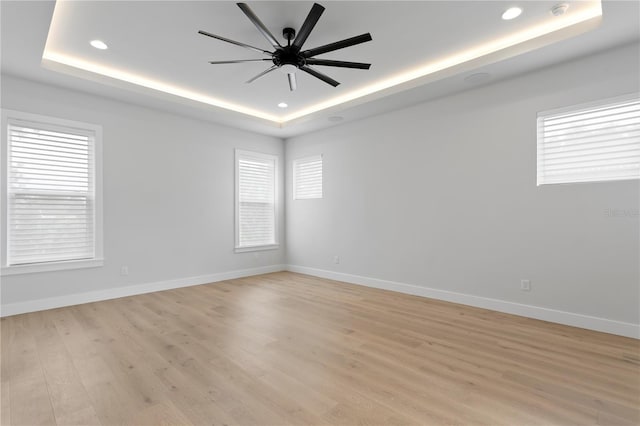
x=168, y=195
x=443, y=195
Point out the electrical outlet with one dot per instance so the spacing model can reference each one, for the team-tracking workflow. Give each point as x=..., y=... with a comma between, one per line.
x=124, y=270
x=525, y=285
x=336, y=259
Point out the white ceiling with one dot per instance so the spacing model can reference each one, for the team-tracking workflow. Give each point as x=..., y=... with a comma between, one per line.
x=158, y=42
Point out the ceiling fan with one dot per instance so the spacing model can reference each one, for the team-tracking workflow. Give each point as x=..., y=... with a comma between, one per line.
x=291, y=57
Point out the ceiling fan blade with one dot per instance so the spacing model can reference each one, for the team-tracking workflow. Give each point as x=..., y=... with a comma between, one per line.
x=319, y=75
x=342, y=64
x=309, y=23
x=259, y=25
x=237, y=43
x=239, y=61
x=293, y=84
x=363, y=38
x=267, y=71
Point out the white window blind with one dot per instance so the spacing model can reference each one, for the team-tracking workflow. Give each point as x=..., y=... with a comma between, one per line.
x=256, y=200
x=51, y=193
x=307, y=178
x=595, y=143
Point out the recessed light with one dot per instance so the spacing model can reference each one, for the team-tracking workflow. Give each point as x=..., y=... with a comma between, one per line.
x=282, y=105
x=99, y=44
x=511, y=13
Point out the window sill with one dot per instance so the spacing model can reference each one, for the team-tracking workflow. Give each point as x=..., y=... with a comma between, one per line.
x=257, y=248
x=50, y=266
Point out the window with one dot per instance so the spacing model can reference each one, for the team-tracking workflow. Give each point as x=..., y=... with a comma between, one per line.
x=255, y=201
x=307, y=178
x=598, y=142
x=53, y=205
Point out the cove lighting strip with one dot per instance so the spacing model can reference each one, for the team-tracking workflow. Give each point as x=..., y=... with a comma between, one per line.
x=154, y=84
x=554, y=24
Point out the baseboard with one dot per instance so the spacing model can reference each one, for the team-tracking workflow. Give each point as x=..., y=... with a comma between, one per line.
x=131, y=290
x=529, y=311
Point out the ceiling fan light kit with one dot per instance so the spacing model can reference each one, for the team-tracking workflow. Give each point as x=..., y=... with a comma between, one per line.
x=291, y=57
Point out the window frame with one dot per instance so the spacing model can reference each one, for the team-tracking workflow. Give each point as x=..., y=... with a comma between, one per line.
x=577, y=108
x=239, y=153
x=307, y=158
x=9, y=116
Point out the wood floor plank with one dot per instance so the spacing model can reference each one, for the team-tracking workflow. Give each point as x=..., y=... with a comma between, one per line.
x=185, y=397
x=164, y=414
x=286, y=348
x=5, y=391
x=69, y=400
x=111, y=401
x=30, y=403
x=196, y=365
x=250, y=390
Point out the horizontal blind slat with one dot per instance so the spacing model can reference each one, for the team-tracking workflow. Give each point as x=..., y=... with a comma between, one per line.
x=58, y=257
x=49, y=145
x=50, y=242
x=606, y=143
x=590, y=155
x=616, y=108
x=31, y=150
x=581, y=132
x=582, y=122
x=49, y=133
x=61, y=165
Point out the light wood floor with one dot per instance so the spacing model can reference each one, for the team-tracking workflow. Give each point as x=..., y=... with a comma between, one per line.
x=286, y=348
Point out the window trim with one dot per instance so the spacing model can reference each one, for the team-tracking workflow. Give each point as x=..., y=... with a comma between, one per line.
x=98, y=259
x=577, y=108
x=293, y=176
x=276, y=196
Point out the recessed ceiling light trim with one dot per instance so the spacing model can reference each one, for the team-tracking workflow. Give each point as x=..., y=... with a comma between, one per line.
x=283, y=105
x=99, y=44
x=511, y=13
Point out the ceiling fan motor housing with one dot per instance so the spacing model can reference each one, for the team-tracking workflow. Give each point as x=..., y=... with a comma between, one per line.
x=289, y=55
